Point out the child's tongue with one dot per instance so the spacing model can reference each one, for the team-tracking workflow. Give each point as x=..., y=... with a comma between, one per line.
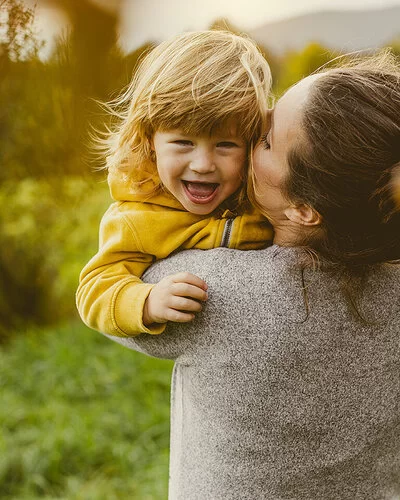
x=200, y=189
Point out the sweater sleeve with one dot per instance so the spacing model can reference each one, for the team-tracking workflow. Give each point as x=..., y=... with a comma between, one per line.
x=111, y=296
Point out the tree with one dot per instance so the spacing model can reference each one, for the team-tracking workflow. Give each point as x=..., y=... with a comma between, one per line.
x=92, y=44
x=297, y=65
x=395, y=47
x=18, y=40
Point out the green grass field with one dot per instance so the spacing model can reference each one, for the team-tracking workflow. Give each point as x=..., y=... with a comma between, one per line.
x=82, y=418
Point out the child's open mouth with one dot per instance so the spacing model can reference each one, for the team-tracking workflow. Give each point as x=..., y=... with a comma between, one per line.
x=200, y=192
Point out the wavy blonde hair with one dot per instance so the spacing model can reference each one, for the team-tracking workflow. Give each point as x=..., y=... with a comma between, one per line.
x=197, y=81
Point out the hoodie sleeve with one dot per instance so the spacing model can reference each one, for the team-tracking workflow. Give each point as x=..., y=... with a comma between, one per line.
x=111, y=296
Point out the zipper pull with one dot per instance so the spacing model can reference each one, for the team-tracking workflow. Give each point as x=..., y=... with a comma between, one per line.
x=229, y=214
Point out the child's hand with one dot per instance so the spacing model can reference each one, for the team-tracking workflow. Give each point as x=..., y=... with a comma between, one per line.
x=175, y=298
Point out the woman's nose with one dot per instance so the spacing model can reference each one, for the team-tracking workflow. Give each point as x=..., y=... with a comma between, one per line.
x=203, y=163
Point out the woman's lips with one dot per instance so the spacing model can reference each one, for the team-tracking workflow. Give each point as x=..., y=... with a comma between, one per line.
x=200, y=192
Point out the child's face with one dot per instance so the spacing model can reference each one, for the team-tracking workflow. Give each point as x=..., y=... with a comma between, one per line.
x=200, y=171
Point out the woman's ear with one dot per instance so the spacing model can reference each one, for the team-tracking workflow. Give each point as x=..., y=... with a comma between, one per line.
x=303, y=215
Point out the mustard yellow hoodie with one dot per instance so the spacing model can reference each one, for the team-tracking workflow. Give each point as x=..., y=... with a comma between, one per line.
x=137, y=230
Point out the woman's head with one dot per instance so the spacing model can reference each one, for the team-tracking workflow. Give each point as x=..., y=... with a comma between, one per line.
x=335, y=148
x=196, y=82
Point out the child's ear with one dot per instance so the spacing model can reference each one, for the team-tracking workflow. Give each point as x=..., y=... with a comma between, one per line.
x=304, y=215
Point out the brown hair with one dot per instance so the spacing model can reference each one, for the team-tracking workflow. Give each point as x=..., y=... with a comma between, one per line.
x=344, y=165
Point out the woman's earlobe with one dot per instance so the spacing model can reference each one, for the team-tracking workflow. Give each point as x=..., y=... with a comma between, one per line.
x=304, y=215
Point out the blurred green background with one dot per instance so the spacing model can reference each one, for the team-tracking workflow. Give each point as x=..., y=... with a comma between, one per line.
x=82, y=418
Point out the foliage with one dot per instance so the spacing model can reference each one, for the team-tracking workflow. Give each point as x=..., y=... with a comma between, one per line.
x=18, y=40
x=395, y=46
x=82, y=418
x=47, y=237
x=50, y=107
x=37, y=125
x=51, y=199
x=91, y=54
x=297, y=65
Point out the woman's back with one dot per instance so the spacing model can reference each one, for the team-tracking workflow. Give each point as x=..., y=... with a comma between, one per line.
x=269, y=401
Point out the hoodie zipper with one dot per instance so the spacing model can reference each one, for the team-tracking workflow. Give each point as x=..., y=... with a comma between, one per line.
x=226, y=235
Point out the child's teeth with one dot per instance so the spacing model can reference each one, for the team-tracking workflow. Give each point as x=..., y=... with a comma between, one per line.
x=201, y=190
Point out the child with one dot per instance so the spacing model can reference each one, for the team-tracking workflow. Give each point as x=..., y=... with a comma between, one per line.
x=176, y=168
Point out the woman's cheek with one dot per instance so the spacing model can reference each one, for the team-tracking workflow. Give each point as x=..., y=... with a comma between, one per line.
x=261, y=166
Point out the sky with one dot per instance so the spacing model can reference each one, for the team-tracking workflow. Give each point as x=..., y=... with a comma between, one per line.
x=155, y=20
x=144, y=20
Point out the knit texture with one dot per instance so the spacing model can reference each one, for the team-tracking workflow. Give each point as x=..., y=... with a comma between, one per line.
x=270, y=401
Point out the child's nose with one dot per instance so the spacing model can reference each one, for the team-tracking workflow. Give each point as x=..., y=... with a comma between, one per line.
x=203, y=163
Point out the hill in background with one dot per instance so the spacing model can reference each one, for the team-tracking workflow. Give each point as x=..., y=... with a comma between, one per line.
x=346, y=30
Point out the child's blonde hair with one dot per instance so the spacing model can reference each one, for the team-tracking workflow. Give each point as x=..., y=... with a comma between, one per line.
x=197, y=81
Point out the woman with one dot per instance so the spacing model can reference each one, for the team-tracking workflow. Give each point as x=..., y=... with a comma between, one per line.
x=287, y=385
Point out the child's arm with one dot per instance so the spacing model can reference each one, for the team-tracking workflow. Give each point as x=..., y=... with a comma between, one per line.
x=111, y=298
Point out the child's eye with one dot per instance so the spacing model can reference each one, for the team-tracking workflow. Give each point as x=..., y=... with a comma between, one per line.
x=183, y=142
x=265, y=141
x=227, y=144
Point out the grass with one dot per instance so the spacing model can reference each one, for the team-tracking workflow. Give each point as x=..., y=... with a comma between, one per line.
x=82, y=418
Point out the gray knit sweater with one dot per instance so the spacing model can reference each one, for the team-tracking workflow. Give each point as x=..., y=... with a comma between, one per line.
x=271, y=403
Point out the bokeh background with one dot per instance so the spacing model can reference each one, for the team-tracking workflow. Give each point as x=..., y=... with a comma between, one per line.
x=81, y=417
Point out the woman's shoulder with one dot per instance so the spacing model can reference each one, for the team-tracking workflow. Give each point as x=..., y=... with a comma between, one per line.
x=226, y=264
x=281, y=272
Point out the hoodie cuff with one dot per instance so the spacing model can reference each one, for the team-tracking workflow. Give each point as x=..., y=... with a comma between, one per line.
x=127, y=310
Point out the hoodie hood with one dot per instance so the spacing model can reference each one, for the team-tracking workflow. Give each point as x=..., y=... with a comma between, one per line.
x=139, y=187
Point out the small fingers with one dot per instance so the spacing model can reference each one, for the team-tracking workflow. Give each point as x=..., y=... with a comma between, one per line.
x=179, y=316
x=190, y=279
x=186, y=290
x=184, y=304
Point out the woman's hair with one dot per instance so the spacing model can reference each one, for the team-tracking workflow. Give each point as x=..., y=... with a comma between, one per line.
x=199, y=82
x=347, y=160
